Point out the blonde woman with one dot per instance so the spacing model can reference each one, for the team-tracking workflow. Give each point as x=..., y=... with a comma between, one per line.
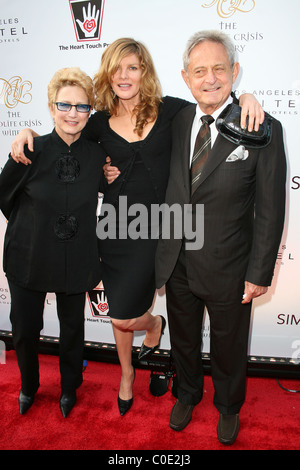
x=50, y=242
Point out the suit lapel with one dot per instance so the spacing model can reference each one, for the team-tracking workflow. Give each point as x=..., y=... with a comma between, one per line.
x=220, y=150
x=185, y=141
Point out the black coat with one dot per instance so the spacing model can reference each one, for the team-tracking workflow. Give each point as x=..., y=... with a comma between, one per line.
x=50, y=242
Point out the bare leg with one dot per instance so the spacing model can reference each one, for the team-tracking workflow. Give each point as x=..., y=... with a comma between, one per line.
x=123, y=332
x=152, y=325
x=124, y=346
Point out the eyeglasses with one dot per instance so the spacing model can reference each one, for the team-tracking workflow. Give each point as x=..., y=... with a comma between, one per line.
x=81, y=108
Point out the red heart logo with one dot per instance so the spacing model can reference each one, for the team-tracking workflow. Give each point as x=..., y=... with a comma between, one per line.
x=89, y=25
x=103, y=306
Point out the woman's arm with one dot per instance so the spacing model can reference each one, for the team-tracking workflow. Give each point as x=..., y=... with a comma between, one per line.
x=249, y=104
x=250, y=108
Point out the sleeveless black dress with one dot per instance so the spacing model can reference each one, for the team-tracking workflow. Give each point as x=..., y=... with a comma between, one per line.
x=128, y=264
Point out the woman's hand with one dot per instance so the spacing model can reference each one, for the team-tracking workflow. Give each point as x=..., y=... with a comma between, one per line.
x=252, y=108
x=24, y=137
x=110, y=172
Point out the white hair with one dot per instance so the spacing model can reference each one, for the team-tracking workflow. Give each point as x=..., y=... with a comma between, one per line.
x=213, y=36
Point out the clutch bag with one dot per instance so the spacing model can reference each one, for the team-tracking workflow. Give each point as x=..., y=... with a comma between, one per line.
x=228, y=125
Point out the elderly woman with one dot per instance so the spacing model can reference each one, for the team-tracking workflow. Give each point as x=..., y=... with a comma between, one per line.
x=50, y=242
x=133, y=123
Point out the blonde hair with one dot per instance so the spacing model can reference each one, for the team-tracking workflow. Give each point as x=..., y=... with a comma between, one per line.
x=150, y=89
x=71, y=76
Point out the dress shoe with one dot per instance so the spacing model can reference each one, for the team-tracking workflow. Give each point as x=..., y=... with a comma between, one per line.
x=25, y=402
x=67, y=402
x=181, y=415
x=228, y=428
x=124, y=405
x=145, y=350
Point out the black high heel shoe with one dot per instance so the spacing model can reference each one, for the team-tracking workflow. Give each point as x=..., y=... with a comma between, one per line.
x=125, y=405
x=145, y=350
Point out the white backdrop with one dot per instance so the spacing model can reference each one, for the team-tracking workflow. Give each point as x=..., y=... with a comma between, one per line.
x=39, y=37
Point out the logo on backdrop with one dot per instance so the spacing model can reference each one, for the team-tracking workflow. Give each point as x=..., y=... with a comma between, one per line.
x=4, y=296
x=14, y=91
x=98, y=303
x=227, y=9
x=295, y=182
x=278, y=102
x=11, y=30
x=87, y=19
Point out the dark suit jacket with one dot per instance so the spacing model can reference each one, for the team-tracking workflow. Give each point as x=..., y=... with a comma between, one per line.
x=244, y=206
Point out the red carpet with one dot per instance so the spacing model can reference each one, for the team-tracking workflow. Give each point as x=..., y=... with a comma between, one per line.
x=270, y=418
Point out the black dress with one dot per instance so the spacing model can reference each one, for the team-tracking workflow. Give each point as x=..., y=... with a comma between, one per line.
x=128, y=264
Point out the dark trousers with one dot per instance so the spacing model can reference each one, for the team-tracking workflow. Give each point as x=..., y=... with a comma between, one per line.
x=27, y=308
x=229, y=330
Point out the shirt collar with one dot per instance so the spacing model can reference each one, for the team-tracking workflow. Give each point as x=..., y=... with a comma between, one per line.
x=64, y=146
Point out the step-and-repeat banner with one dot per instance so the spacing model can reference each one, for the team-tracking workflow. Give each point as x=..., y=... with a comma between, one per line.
x=39, y=37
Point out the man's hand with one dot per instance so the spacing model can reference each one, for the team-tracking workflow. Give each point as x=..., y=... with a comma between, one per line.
x=251, y=291
x=110, y=172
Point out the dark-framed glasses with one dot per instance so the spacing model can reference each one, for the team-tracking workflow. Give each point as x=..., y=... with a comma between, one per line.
x=81, y=108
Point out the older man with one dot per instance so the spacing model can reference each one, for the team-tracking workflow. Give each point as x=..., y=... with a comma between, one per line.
x=242, y=190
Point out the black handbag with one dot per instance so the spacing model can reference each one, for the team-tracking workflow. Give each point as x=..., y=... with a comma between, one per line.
x=228, y=125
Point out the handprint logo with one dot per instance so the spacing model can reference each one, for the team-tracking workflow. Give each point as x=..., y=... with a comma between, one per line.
x=90, y=21
x=87, y=19
x=101, y=306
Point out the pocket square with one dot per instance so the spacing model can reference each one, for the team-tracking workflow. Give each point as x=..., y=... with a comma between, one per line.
x=240, y=153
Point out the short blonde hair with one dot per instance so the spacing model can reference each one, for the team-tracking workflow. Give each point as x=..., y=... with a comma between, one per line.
x=150, y=90
x=71, y=76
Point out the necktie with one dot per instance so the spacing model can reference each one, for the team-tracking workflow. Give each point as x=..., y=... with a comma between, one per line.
x=201, y=151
